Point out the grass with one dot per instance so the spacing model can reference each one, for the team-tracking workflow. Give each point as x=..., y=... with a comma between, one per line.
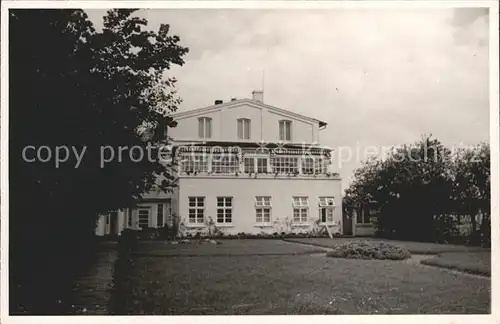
x=474, y=263
x=470, y=259
x=272, y=277
x=413, y=247
x=226, y=248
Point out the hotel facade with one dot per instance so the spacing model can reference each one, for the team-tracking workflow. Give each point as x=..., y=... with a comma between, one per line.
x=247, y=166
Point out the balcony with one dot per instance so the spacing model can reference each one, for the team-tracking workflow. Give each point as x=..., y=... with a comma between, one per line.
x=201, y=174
x=254, y=162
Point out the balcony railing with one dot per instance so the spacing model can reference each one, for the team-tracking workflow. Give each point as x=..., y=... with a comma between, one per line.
x=252, y=162
x=268, y=175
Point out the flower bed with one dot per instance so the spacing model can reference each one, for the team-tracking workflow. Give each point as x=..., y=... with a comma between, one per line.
x=369, y=251
x=155, y=235
x=186, y=241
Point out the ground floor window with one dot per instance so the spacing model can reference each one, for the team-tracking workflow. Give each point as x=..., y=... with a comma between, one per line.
x=300, y=210
x=326, y=215
x=144, y=215
x=129, y=218
x=196, y=210
x=326, y=209
x=159, y=215
x=263, y=210
x=224, y=210
x=363, y=215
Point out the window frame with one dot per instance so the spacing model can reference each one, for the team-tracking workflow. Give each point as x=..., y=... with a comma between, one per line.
x=300, y=206
x=244, y=128
x=315, y=164
x=196, y=209
x=327, y=204
x=256, y=168
x=225, y=209
x=363, y=216
x=253, y=166
x=216, y=165
x=130, y=214
x=160, y=213
x=205, y=132
x=284, y=125
x=143, y=208
x=266, y=158
x=260, y=208
x=287, y=167
x=192, y=158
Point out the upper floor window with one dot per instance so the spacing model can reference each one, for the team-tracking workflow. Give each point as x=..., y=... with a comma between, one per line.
x=225, y=163
x=195, y=163
x=255, y=164
x=313, y=165
x=205, y=127
x=285, y=164
x=285, y=130
x=244, y=128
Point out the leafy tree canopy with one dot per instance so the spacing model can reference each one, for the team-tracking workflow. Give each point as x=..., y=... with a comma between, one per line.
x=416, y=183
x=74, y=87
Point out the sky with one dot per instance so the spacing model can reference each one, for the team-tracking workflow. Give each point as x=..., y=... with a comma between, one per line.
x=378, y=77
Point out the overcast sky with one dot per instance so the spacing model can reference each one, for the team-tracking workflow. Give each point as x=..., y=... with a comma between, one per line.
x=378, y=77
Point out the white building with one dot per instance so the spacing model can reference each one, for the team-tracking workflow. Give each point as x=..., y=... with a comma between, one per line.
x=250, y=167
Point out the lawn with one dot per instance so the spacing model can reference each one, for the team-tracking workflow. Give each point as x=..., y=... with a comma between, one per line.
x=413, y=247
x=470, y=259
x=273, y=277
x=226, y=248
x=471, y=262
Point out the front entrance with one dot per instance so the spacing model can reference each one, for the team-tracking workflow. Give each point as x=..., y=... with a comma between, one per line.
x=113, y=223
x=347, y=218
x=144, y=216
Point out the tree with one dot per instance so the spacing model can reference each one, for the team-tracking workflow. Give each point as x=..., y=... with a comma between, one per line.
x=420, y=188
x=72, y=87
x=409, y=187
x=472, y=184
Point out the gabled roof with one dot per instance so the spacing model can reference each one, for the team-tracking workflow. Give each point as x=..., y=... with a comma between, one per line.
x=254, y=103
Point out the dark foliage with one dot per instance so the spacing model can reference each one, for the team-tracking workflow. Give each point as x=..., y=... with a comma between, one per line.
x=419, y=190
x=72, y=87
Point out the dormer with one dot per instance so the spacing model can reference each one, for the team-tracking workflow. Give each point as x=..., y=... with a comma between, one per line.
x=204, y=128
x=285, y=130
x=244, y=129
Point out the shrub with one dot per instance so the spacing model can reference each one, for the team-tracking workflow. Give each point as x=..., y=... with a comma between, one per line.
x=369, y=250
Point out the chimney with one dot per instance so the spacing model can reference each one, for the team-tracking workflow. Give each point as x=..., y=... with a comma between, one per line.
x=258, y=95
x=218, y=102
